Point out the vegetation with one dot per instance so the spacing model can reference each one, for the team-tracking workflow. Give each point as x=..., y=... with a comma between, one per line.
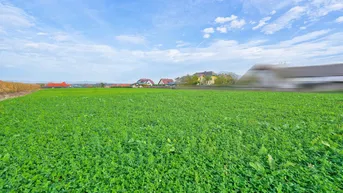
x=11, y=87
x=188, y=80
x=224, y=79
x=161, y=140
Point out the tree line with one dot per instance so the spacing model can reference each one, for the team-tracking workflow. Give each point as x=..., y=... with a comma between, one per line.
x=221, y=79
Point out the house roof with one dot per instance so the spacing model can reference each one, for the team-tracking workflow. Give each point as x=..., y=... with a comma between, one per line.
x=205, y=73
x=166, y=80
x=145, y=80
x=328, y=70
x=311, y=71
x=63, y=84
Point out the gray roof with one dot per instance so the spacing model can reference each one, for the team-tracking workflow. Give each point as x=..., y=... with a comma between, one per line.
x=205, y=73
x=311, y=71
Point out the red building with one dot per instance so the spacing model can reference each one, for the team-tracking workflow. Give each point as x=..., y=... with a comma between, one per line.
x=165, y=81
x=57, y=85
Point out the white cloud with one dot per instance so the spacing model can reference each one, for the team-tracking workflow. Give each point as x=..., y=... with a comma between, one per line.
x=42, y=33
x=32, y=45
x=339, y=19
x=252, y=22
x=222, y=29
x=180, y=44
x=322, y=8
x=273, y=12
x=303, y=28
x=237, y=24
x=305, y=37
x=79, y=59
x=207, y=36
x=225, y=19
x=284, y=20
x=262, y=23
x=41, y=46
x=61, y=37
x=14, y=17
x=208, y=30
x=133, y=39
x=267, y=6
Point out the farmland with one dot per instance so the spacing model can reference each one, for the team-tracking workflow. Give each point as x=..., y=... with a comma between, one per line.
x=152, y=140
x=13, y=87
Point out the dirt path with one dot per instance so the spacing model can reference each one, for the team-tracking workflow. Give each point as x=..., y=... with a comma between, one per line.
x=4, y=96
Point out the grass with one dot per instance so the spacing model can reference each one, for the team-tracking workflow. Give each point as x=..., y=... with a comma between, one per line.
x=151, y=140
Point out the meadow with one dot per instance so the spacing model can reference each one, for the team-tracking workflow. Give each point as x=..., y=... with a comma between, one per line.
x=159, y=140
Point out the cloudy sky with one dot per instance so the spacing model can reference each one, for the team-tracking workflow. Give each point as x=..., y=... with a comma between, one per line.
x=122, y=41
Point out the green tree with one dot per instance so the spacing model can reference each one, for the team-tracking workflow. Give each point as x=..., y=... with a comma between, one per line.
x=189, y=80
x=224, y=79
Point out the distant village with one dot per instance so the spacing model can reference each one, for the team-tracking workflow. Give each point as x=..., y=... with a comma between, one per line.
x=200, y=78
x=326, y=77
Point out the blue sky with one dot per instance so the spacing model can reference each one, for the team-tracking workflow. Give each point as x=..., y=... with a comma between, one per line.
x=122, y=41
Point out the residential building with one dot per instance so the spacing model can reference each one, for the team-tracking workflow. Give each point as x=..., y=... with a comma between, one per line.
x=145, y=81
x=299, y=77
x=206, y=77
x=165, y=81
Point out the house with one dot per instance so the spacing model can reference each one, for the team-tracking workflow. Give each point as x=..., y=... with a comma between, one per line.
x=165, y=81
x=145, y=81
x=299, y=77
x=57, y=85
x=206, y=77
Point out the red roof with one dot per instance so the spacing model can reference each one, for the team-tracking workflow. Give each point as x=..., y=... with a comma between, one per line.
x=63, y=84
x=166, y=81
x=145, y=80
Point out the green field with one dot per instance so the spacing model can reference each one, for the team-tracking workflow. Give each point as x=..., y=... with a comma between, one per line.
x=155, y=140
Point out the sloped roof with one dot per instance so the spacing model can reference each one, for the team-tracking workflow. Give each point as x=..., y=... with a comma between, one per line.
x=328, y=70
x=63, y=84
x=311, y=71
x=145, y=80
x=166, y=80
x=205, y=73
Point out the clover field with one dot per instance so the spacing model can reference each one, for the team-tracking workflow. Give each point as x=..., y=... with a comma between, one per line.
x=158, y=140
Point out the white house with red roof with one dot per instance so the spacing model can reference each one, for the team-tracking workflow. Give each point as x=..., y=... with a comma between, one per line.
x=145, y=81
x=165, y=81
